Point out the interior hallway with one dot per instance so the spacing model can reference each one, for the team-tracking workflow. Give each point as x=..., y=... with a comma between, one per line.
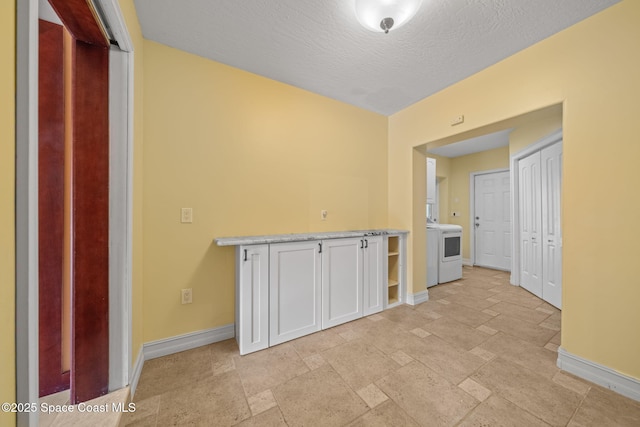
x=479, y=352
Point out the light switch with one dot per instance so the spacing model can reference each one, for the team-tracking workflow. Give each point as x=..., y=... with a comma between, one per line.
x=186, y=215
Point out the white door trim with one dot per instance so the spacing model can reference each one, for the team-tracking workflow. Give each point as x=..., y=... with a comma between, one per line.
x=472, y=209
x=515, y=212
x=26, y=280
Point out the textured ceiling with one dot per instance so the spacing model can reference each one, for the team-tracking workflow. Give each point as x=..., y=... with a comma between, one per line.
x=318, y=45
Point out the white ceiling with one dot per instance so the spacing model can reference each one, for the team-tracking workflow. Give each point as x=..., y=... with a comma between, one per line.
x=318, y=45
x=473, y=145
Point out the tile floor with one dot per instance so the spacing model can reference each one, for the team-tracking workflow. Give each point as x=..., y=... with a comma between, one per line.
x=480, y=352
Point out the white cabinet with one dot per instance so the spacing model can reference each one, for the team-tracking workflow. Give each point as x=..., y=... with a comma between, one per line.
x=294, y=290
x=374, y=282
x=252, y=297
x=431, y=181
x=287, y=290
x=342, y=281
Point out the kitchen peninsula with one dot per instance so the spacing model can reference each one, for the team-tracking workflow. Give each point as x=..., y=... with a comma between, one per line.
x=290, y=285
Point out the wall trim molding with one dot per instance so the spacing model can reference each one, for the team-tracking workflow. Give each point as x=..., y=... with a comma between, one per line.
x=188, y=341
x=418, y=298
x=135, y=373
x=599, y=374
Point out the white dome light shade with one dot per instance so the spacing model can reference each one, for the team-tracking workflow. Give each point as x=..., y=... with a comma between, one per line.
x=373, y=14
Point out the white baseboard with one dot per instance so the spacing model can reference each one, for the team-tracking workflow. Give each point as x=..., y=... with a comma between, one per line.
x=599, y=374
x=418, y=298
x=135, y=374
x=188, y=341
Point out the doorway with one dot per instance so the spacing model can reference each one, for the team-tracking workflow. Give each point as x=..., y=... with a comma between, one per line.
x=491, y=219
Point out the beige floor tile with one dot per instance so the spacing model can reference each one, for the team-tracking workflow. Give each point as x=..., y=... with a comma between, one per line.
x=539, y=396
x=477, y=292
x=552, y=347
x=520, y=329
x=456, y=333
x=314, y=361
x=146, y=413
x=604, y=408
x=521, y=313
x=406, y=318
x=217, y=401
x=469, y=301
x=359, y=363
x=537, y=359
x=384, y=415
x=443, y=358
x=174, y=371
x=319, y=397
x=444, y=301
x=462, y=314
x=496, y=411
x=388, y=340
x=222, y=366
x=420, y=333
x=482, y=353
x=401, y=357
x=270, y=418
x=476, y=390
x=267, y=368
x=518, y=296
x=315, y=343
x=487, y=330
x=372, y=395
x=491, y=312
x=427, y=397
x=544, y=310
x=556, y=339
x=375, y=318
x=261, y=402
x=350, y=335
x=572, y=383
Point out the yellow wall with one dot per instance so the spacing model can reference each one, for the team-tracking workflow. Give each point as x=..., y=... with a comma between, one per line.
x=7, y=205
x=535, y=130
x=460, y=170
x=592, y=69
x=137, y=337
x=250, y=156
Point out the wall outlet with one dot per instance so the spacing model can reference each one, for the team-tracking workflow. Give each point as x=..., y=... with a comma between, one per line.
x=455, y=213
x=323, y=215
x=187, y=296
x=457, y=120
x=186, y=215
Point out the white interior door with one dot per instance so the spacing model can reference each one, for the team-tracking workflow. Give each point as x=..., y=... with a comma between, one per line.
x=551, y=168
x=529, y=207
x=492, y=225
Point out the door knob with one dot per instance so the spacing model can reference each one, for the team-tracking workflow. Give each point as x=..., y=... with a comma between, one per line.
x=477, y=225
x=477, y=217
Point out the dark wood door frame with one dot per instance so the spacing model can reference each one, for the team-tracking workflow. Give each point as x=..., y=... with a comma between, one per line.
x=51, y=212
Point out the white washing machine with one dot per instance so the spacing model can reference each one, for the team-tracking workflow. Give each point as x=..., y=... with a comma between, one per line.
x=449, y=252
x=433, y=256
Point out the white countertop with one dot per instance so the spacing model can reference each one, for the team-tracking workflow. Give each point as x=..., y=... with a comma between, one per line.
x=281, y=238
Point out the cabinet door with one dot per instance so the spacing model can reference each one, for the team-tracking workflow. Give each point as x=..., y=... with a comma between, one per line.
x=342, y=280
x=294, y=290
x=252, y=298
x=373, y=275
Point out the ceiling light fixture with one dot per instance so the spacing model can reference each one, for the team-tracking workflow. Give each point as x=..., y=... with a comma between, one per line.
x=382, y=15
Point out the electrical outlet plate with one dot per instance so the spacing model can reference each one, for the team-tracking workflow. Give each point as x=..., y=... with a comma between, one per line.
x=457, y=120
x=323, y=215
x=186, y=215
x=187, y=296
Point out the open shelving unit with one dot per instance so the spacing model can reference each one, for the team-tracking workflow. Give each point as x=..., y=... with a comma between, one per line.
x=393, y=270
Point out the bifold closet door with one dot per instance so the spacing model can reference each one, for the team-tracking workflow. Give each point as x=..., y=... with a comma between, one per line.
x=530, y=199
x=551, y=174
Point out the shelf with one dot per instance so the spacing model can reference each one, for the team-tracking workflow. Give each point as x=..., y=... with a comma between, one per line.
x=394, y=253
x=393, y=300
x=393, y=283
